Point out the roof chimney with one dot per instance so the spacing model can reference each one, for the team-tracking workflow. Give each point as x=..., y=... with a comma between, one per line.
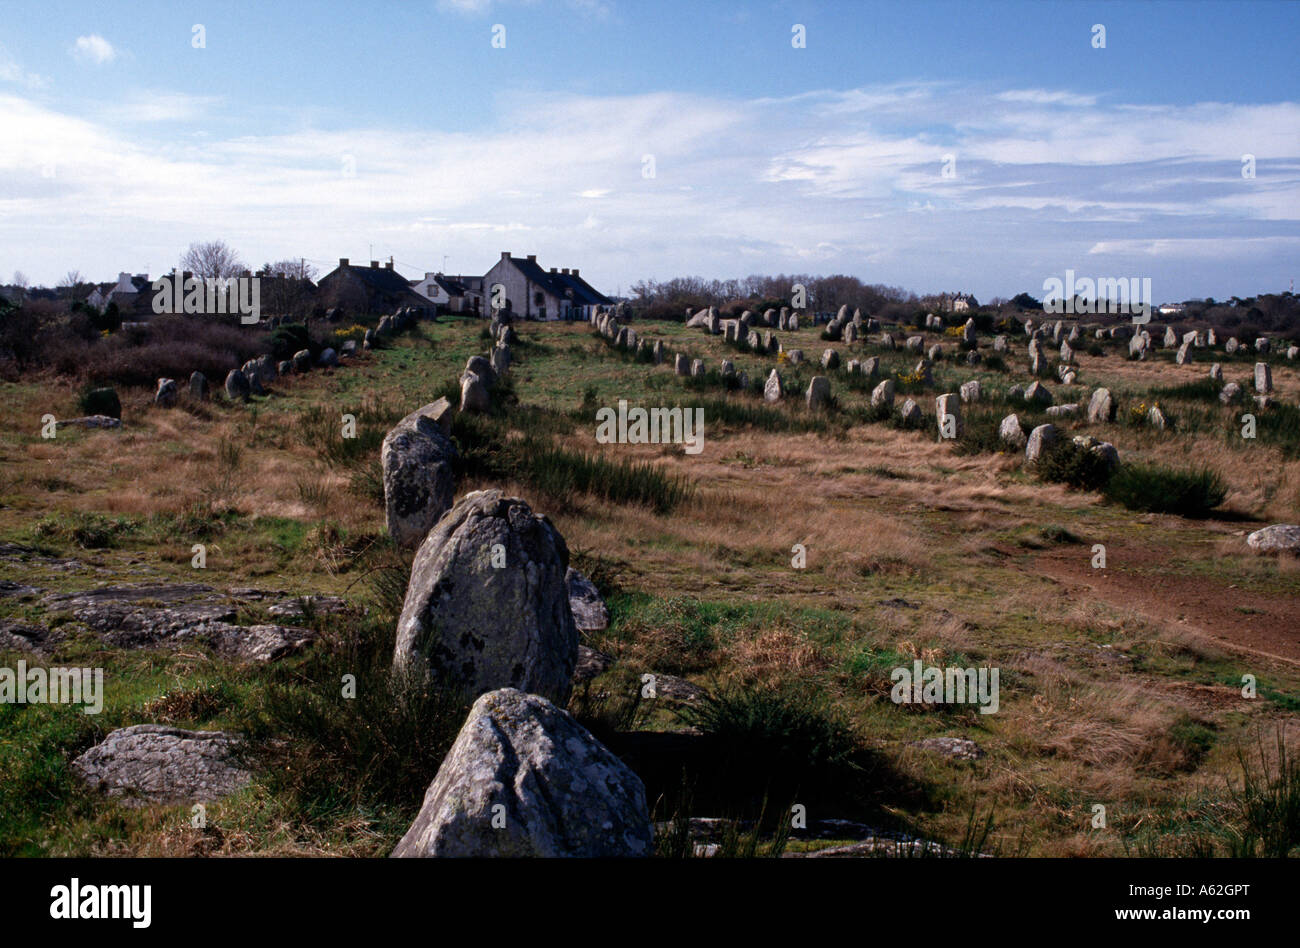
x=374, y=264
x=343, y=261
x=566, y=270
x=574, y=271
x=532, y=258
x=388, y=265
x=505, y=255
x=553, y=270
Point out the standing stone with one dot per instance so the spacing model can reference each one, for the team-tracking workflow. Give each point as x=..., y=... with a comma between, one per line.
x=948, y=416
x=1156, y=418
x=911, y=413
x=830, y=359
x=794, y=356
x=1067, y=354
x=253, y=373
x=1038, y=393
x=1001, y=344
x=1229, y=392
x=887, y=341
x=970, y=391
x=328, y=357
x=487, y=606
x=589, y=611
x=500, y=360
x=237, y=385
x=968, y=336
x=1263, y=378
x=1010, y=432
x=199, y=386
x=473, y=394
x=697, y=368
x=1184, y=355
x=1171, y=338
x=1137, y=346
x=916, y=344
x=681, y=364
x=934, y=353
x=482, y=367
x=1211, y=339
x=1040, y=439
x=659, y=352
x=1262, y=345
x=1292, y=352
x=819, y=392
x=419, y=482
x=1037, y=361
x=1216, y=372
x=883, y=394
x=166, y=395
x=850, y=333
x=266, y=366
x=925, y=371
x=1231, y=346
x=1101, y=407
x=870, y=368
x=525, y=780
x=773, y=389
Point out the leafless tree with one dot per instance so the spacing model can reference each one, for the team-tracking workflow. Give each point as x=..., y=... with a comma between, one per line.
x=20, y=279
x=298, y=269
x=212, y=260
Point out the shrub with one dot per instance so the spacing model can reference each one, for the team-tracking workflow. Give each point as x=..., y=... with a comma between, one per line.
x=100, y=401
x=1157, y=489
x=770, y=744
x=290, y=338
x=1073, y=464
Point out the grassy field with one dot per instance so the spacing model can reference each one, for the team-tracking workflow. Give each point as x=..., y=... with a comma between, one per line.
x=1121, y=687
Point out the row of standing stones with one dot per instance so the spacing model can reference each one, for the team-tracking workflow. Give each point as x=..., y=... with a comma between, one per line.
x=251, y=378
x=489, y=610
x=852, y=327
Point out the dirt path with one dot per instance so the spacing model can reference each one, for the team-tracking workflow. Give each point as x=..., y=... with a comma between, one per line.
x=1239, y=620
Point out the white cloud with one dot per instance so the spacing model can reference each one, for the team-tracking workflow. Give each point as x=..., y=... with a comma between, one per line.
x=93, y=49
x=159, y=107
x=12, y=71
x=1046, y=97
x=741, y=186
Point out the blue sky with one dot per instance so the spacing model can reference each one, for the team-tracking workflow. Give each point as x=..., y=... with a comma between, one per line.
x=936, y=146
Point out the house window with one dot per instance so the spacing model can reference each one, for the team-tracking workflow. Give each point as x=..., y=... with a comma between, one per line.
x=538, y=298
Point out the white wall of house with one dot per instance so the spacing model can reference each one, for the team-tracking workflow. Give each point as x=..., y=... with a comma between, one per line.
x=431, y=291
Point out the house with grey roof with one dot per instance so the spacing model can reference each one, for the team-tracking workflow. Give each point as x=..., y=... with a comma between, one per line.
x=372, y=289
x=532, y=292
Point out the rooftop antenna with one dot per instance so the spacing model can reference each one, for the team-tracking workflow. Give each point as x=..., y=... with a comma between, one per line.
x=444, y=263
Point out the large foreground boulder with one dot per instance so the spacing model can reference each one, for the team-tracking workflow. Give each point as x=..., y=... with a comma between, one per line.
x=524, y=779
x=487, y=606
x=150, y=763
x=419, y=482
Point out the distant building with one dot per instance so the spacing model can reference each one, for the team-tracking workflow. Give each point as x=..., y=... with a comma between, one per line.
x=534, y=293
x=372, y=289
x=957, y=302
x=1171, y=309
x=132, y=294
x=448, y=293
